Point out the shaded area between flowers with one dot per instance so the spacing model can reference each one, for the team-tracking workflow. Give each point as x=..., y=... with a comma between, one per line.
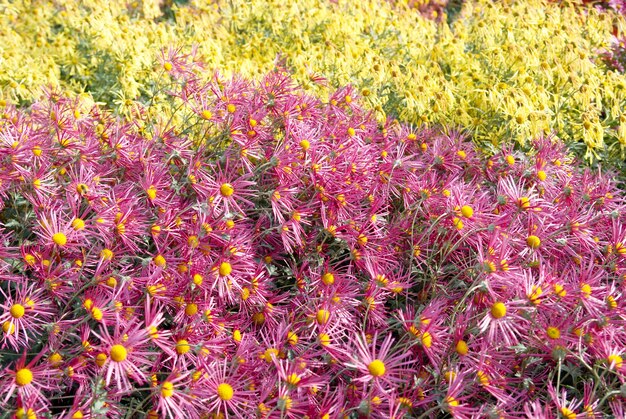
x=264, y=252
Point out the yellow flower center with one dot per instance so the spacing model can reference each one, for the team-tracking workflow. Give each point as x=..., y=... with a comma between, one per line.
x=461, y=348
x=523, y=202
x=451, y=401
x=292, y=338
x=324, y=339
x=167, y=389
x=322, y=316
x=96, y=313
x=541, y=175
x=586, y=290
x=8, y=328
x=227, y=190
x=225, y=269
x=78, y=224
x=55, y=359
x=22, y=413
x=118, y=353
x=151, y=192
x=293, y=379
x=328, y=278
x=498, y=310
x=376, y=368
x=106, y=254
x=17, y=311
x=305, y=144
x=23, y=377
x=59, y=239
x=191, y=309
x=427, y=339
x=616, y=361
x=101, y=358
x=267, y=355
x=159, y=261
x=483, y=378
x=568, y=413
x=467, y=211
x=182, y=347
x=225, y=391
x=559, y=290
x=553, y=332
x=533, y=241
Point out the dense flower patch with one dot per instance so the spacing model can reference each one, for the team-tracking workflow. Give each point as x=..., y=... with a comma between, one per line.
x=508, y=71
x=323, y=265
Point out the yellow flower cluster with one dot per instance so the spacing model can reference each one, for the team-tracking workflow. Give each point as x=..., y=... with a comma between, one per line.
x=506, y=70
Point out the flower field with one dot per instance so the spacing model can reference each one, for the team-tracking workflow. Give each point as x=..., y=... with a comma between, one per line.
x=312, y=209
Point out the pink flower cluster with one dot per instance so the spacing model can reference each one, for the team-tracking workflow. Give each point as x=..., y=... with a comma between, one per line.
x=319, y=265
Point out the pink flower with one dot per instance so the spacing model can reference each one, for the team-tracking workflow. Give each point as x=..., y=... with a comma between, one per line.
x=29, y=380
x=378, y=366
x=224, y=389
x=124, y=355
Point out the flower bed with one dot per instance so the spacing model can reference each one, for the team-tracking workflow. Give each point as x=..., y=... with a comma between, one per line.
x=506, y=71
x=266, y=253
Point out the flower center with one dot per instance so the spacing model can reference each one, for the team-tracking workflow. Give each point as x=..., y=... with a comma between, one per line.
x=191, y=309
x=616, y=361
x=151, y=192
x=376, y=368
x=322, y=316
x=267, y=355
x=225, y=391
x=533, y=242
x=461, y=348
x=101, y=358
x=225, y=269
x=328, y=278
x=467, y=211
x=17, y=311
x=59, y=239
x=118, y=353
x=78, y=224
x=498, y=310
x=23, y=377
x=159, y=261
x=182, y=347
x=553, y=332
x=568, y=413
x=167, y=389
x=227, y=189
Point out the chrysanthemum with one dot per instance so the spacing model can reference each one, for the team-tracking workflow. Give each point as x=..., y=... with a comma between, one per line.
x=503, y=322
x=24, y=315
x=173, y=398
x=225, y=390
x=379, y=366
x=55, y=231
x=29, y=380
x=229, y=192
x=124, y=355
